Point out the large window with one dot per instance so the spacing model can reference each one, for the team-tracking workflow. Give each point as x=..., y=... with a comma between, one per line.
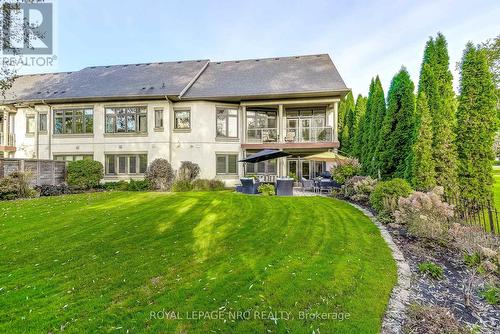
x=126, y=120
x=262, y=124
x=73, y=157
x=227, y=123
x=30, y=124
x=182, y=119
x=226, y=164
x=126, y=163
x=263, y=167
x=73, y=121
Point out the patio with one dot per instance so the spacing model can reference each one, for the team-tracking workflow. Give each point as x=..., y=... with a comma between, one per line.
x=290, y=185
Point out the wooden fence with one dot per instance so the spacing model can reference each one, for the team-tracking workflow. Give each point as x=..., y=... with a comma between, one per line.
x=478, y=213
x=43, y=171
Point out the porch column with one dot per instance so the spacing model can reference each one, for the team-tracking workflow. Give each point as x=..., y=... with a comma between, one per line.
x=335, y=121
x=5, y=129
x=281, y=124
x=243, y=124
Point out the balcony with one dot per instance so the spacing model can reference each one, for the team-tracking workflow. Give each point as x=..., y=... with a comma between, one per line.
x=263, y=135
x=309, y=134
x=10, y=144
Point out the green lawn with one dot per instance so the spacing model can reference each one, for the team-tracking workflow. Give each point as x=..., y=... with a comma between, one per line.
x=496, y=187
x=103, y=262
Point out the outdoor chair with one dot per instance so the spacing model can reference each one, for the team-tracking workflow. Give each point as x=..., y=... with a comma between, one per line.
x=290, y=136
x=284, y=187
x=307, y=184
x=249, y=186
x=325, y=185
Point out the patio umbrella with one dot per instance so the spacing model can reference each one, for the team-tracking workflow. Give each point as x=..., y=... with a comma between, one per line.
x=327, y=157
x=265, y=155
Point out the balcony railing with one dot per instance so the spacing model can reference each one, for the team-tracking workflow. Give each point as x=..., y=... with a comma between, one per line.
x=265, y=135
x=309, y=134
x=10, y=140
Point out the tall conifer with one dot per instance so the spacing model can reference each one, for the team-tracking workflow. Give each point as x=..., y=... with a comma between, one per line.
x=478, y=123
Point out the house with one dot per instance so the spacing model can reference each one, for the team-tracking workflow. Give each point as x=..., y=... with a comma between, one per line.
x=210, y=113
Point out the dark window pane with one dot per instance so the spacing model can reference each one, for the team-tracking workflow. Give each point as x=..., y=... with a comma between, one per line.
x=79, y=124
x=143, y=163
x=122, y=164
x=58, y=125
x=110, y=163
x=68, y=125
x=232, y=164
x=221, y=164
x=132, y=162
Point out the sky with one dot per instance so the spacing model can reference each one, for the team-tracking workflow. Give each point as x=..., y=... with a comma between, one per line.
x=364, y=38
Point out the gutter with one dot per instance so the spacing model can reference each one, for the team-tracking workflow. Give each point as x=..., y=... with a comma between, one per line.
x=184, y=91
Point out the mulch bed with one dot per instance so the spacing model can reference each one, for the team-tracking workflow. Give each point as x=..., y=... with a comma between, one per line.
x=448, y=292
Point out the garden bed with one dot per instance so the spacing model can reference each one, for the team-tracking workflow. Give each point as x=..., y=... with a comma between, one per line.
x=448, y=292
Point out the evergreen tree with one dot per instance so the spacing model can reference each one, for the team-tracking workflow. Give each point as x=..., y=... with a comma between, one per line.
x=378, y=113
x=359, y=114
x=422, y=165
x=365, y=158
x=478, y=123
x=396, y=135
x=436, y=82
x=346, y=108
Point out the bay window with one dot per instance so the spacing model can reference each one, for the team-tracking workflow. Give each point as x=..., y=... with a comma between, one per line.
x=126, y=120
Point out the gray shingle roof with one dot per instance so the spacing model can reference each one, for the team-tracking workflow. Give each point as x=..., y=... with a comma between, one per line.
x=152, y=79
x=271, y=76
x=257, y=77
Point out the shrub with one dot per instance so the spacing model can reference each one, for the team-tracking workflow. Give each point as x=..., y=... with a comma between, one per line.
x=85, y=174
x=431, y=269
x=16, y=185
x=8, y=189
x=201, y=185
x=346, y=170
x=491, y=294
x=216, y=185
x=480, y=248
x=425, y=215
x=120, y=185
x=358, y=188
x=188, y=171
x=385, y=196
x=266, y=189
x=160, y=175
x=139, y=185
x=54, y=190
x=181, y=186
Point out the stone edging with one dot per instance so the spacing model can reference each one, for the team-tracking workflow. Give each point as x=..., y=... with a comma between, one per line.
x=400, y=295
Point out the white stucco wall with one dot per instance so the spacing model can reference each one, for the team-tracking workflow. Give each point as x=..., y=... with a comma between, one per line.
x=198, y=145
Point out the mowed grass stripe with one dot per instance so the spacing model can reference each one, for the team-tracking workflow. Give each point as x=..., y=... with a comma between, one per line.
x=102, y=262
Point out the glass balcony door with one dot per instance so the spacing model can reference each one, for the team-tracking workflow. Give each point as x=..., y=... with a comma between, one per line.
x=262, y=125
